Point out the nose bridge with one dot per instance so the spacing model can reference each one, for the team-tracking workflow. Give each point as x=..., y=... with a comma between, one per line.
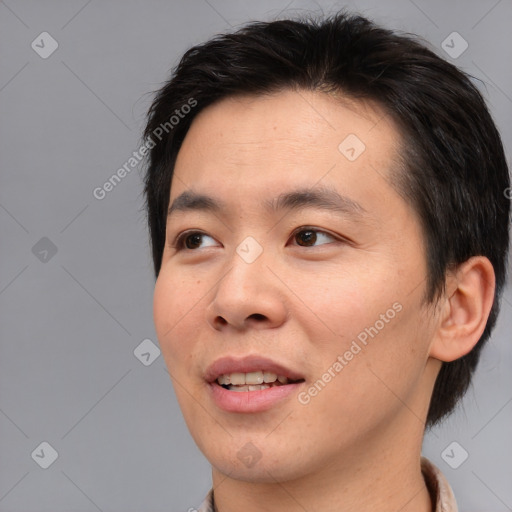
x=247, y=272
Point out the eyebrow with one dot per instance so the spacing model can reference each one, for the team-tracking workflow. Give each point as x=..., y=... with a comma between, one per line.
x=322, y=198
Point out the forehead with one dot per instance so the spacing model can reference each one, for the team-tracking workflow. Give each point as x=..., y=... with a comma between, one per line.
x=265, y=143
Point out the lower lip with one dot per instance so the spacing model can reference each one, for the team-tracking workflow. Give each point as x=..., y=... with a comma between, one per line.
x=251, y=401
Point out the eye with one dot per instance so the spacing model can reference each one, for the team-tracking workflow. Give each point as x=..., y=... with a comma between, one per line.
x=309, y=237
x=192, y=240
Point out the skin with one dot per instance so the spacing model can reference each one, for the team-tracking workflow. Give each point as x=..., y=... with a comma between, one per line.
x=355, y=445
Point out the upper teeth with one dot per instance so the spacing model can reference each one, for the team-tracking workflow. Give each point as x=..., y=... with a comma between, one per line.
x=239, y=379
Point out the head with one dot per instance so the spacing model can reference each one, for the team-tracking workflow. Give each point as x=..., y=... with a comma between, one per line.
x=391, y=155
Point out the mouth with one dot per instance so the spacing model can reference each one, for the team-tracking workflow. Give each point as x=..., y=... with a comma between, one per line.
x=253, y=381
x=250, y=384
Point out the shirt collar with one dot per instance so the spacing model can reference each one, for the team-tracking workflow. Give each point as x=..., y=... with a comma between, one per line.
x=439, y=488
x=440, y=491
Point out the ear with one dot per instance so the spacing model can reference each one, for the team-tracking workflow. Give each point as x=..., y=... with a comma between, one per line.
x=464, y=311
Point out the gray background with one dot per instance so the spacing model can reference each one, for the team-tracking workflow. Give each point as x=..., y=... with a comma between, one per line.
x=71, y=321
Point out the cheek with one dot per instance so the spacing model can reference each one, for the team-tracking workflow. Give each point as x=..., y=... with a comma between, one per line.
x=164, y=306
x=341, y=300
x=382, y=362
x=176, y=305
x=372, y=322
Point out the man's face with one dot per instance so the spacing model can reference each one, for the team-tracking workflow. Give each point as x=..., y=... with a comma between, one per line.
x=311, y=267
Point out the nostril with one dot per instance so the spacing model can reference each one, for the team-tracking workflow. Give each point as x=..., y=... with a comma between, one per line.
x=256, y=319
x=258, y=316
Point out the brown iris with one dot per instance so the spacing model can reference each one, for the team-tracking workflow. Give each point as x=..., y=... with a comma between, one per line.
x=306, y=237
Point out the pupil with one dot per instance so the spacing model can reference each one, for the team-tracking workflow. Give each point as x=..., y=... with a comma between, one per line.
x=193, y=241
x=306, y=237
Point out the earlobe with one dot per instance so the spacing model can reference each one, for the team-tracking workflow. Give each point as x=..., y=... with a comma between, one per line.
x=465, y=310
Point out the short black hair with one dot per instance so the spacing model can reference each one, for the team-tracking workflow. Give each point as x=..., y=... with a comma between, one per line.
x=454, y=173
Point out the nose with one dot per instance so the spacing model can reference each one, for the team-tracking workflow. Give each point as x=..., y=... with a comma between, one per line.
x=247, y=296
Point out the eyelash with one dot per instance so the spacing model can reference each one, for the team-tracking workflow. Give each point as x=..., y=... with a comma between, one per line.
x=179, y=243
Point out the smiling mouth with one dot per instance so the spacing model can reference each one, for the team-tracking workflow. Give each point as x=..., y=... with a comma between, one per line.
x=253, y=381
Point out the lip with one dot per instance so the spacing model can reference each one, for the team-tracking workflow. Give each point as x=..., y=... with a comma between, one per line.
x=250, y=401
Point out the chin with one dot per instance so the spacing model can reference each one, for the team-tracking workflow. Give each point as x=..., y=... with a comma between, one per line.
x=262, y=464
